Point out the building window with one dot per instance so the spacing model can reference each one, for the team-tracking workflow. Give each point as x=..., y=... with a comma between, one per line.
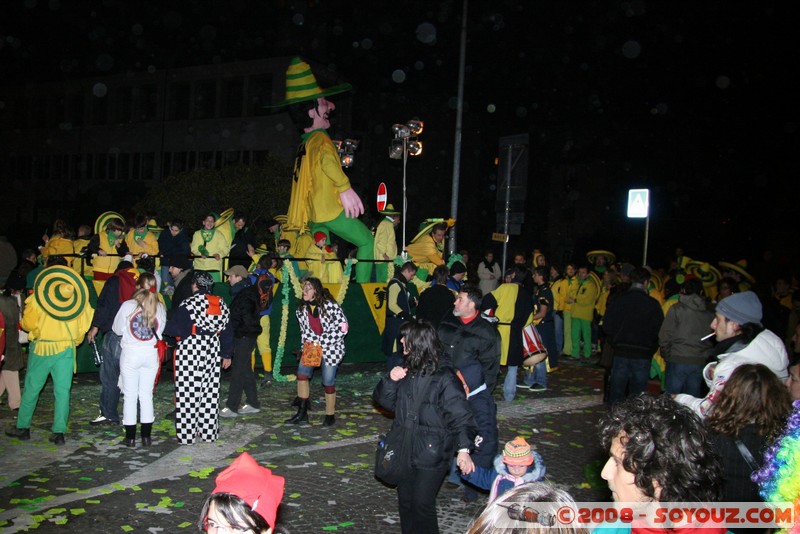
x=99, y=109
x=75, y=108
x=178, y=163
x=148, y=166
x=232, y=97
x=166, y=164
x=260, y=94
x=205, y=100
x=101, y=167
x=124, y=166
x=146, y=102
x=123, y=105
x=179, y=101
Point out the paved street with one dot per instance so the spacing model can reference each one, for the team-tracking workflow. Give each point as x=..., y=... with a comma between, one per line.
x=94, y=484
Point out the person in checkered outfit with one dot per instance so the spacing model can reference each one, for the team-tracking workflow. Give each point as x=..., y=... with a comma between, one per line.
x=202, y=326
x=322, y=322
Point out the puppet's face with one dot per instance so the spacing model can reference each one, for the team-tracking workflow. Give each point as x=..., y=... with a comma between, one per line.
x=320, y=114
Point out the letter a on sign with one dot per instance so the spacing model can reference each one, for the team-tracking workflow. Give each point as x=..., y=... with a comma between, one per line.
x=638, y=203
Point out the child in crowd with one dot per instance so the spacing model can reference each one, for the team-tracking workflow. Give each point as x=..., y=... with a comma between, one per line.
x=516, y=465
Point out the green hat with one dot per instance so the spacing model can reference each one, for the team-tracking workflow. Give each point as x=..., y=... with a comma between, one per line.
x=61, y=292
x=302, y=86
x=389, y=210
x=704, y=271
x=102, y=220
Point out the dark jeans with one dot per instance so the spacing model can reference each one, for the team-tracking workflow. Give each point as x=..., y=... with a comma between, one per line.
x=629, y=377
x=109, y=376
x=242, y=376
x=684, y=378
x=416, y=497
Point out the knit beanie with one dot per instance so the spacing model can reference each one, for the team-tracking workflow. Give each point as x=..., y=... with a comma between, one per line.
x=517, y=452
x=741, y=308
x=320, y=235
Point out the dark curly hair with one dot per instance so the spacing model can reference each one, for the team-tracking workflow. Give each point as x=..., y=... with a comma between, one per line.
x=423, y=346
x=666, y=443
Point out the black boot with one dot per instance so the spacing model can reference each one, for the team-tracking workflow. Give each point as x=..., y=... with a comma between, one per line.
x=146, y=429
x=296, y=401
x=22, y=433
x=329, y=420
x=302, y=414
x=130, y=436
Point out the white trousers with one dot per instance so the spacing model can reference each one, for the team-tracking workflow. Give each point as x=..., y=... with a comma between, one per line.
x=137, y=379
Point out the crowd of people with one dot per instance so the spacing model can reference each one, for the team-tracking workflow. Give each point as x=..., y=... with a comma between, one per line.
x=710, y=347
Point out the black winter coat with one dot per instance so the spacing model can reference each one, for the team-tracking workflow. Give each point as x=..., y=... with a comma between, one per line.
x=632, y=323
x=478, y=340
x=445, y=419
x=245, y=316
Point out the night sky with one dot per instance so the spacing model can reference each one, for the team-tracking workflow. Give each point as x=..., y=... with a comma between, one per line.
x=696, y=101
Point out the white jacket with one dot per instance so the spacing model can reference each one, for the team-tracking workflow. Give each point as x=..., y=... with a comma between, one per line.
x=767, y=349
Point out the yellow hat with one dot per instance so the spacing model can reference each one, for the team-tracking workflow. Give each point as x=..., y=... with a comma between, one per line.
x=593, y=255
x=102, y=220
x=302, y=86
x=60, y=292
x=739, y=267
x=427, y=225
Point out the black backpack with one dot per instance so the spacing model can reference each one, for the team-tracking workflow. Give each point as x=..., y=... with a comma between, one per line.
x=264, y=283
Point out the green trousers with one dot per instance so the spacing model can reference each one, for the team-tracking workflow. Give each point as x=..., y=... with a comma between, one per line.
x=60, y=366
x=581, y=328
x=353, y=231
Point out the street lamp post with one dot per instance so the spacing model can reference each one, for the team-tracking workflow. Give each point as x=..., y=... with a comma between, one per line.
x=405, y=143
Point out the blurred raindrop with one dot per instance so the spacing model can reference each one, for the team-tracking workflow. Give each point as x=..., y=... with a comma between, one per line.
x=398, y=76
x=280, y=127
x=30, y=4
x=151, y=69
x=208, y=32
x=99, y=90
x=492, y=187
x=366, y=43
x=426, y=33
x=723, y=82
x=521, y=111
x=356, y=44
x=298, y=19
x=491, y=108
x=137, y=29
x=631, y=49
x=419, y=65
x=662, y=108
x=105, y=62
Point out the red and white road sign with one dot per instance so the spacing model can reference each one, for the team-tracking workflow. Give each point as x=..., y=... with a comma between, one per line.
x=382, y=197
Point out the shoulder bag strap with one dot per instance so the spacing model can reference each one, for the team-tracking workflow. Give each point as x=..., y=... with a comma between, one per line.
x=745, y=452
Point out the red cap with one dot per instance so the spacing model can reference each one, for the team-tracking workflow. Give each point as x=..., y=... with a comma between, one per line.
x=320, y=235
x=255, y=485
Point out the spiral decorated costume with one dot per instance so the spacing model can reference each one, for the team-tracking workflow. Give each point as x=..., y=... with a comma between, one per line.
x=322, y=199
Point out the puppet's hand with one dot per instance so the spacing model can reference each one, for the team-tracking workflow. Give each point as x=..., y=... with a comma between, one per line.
x=351, y=203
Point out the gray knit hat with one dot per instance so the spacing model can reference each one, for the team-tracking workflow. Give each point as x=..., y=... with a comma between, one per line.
x=741, y=308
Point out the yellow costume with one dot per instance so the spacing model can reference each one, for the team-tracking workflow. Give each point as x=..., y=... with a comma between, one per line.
x=426, y=253
x=58, y=246
x=150, y=246
x=329, y=272
x=214, y=243
x=103, y=267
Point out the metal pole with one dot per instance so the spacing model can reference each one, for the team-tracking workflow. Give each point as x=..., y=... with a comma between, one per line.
x=646, y=233
x=457, y=148
x=508, y=207
x=405, y=198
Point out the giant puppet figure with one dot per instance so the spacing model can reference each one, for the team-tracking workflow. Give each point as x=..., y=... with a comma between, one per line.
x=322, y=199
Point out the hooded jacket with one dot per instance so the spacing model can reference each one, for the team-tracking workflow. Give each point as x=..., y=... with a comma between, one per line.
x=686, y=323
x=766, y=348
x=498, y=480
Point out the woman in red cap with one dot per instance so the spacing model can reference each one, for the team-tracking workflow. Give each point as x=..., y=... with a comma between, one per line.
x=245, y=499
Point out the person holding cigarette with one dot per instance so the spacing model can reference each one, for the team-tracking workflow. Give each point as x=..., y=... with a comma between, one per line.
x=741, y=339
x=682, y=341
